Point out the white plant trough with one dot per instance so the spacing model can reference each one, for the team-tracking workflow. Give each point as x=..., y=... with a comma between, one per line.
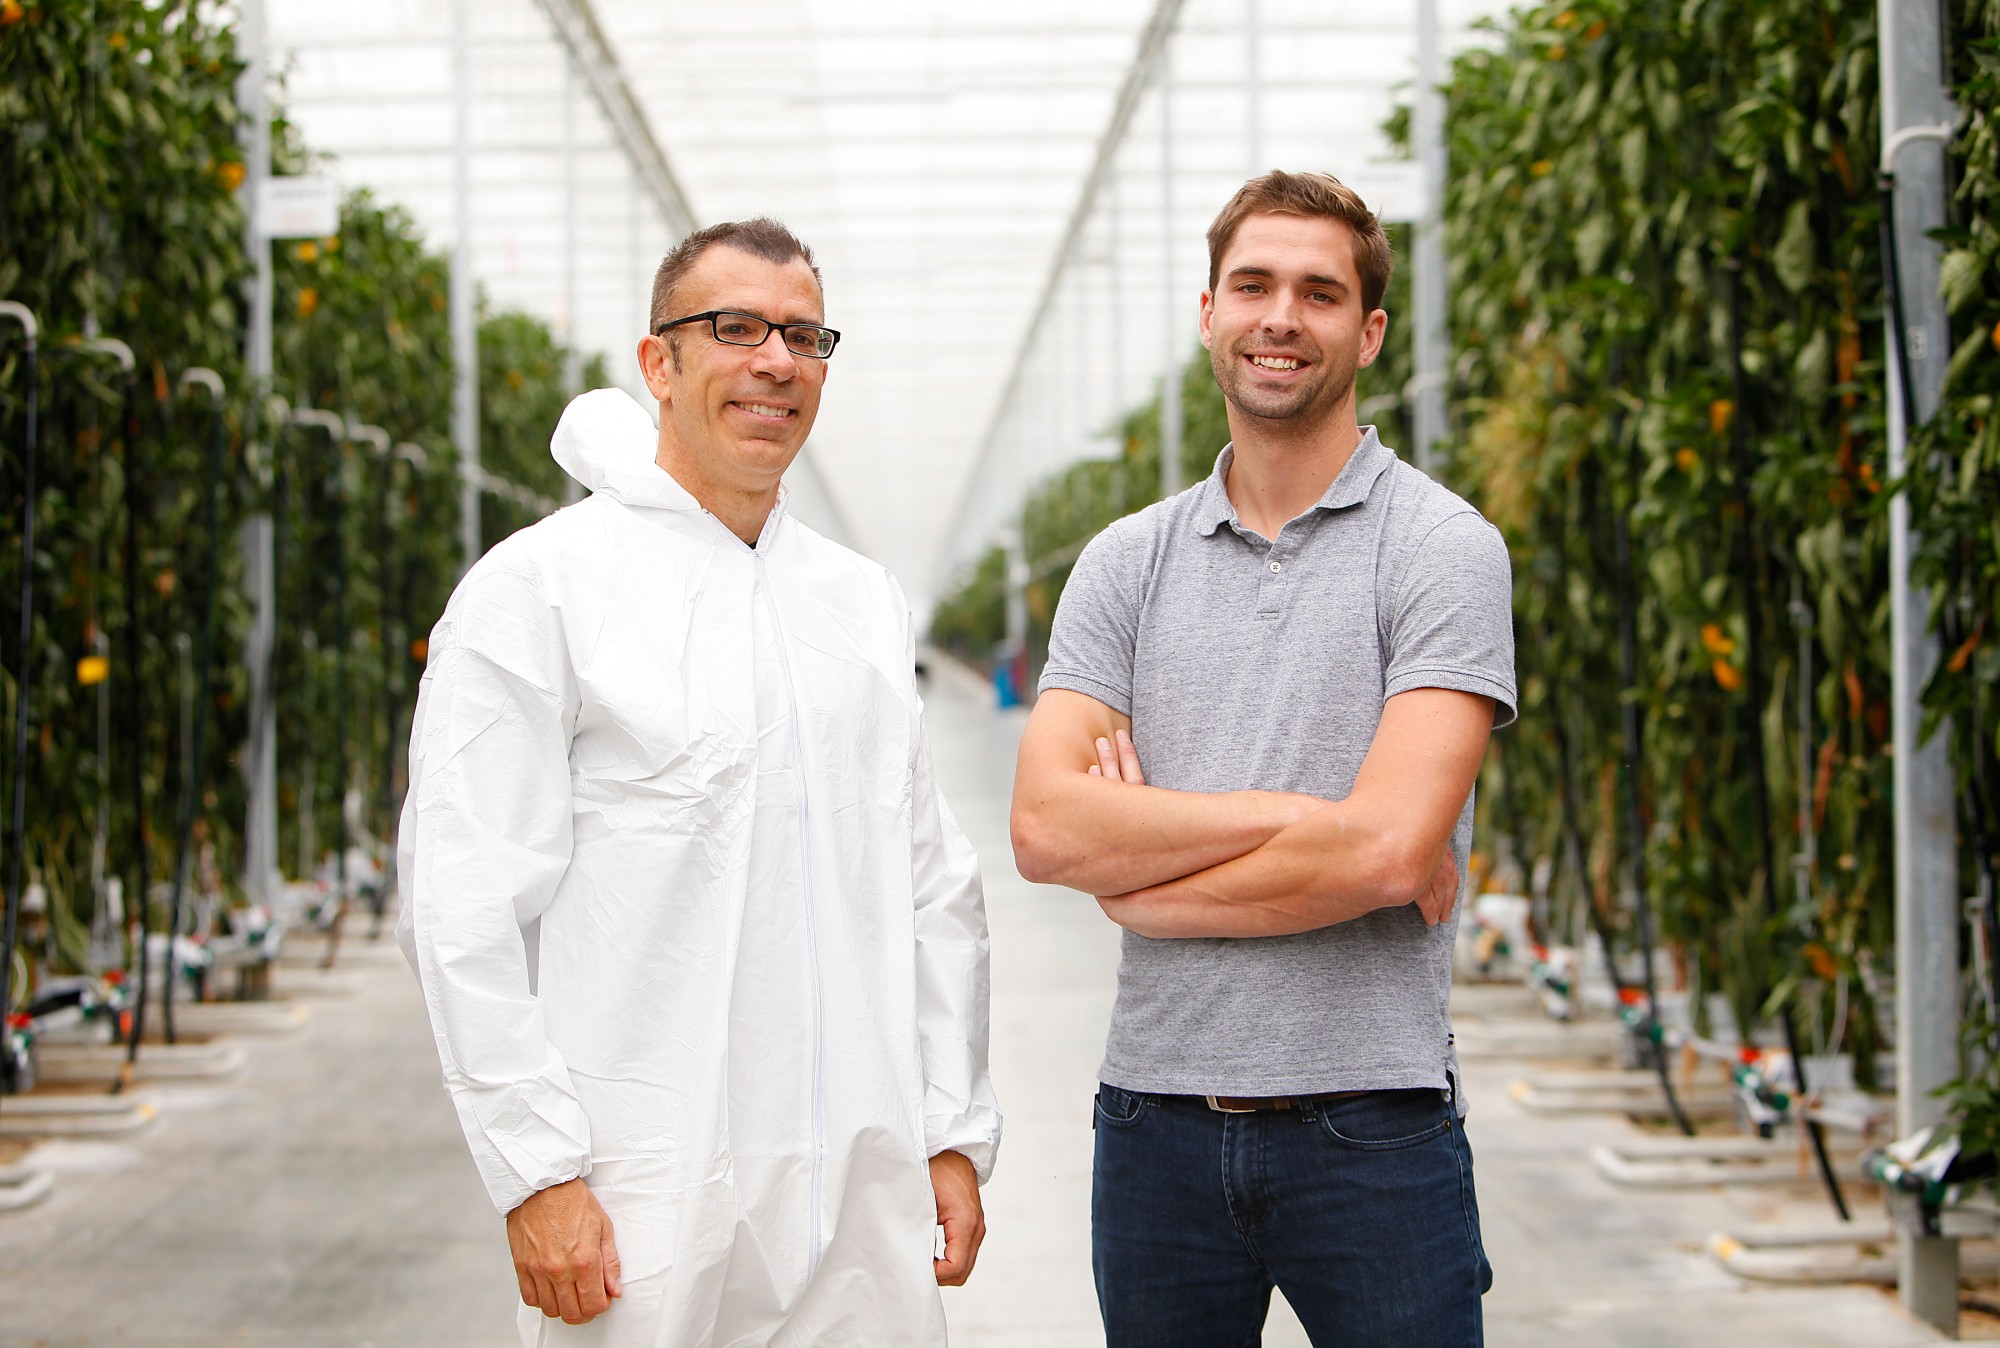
x=1862, y=1251
x=72, y=1115
x=1697, y=1162
x=70, y=1063
x=22, y=1187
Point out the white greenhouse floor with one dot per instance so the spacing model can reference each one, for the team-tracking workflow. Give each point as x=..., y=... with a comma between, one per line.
x=322, y=1196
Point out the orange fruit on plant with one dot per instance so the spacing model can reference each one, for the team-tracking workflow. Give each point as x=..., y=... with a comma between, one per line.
x=1727, y=675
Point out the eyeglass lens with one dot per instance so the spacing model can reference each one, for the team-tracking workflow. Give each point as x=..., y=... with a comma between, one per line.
x=748, y=330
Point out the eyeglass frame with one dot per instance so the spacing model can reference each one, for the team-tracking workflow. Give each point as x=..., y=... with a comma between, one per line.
x=710, y=315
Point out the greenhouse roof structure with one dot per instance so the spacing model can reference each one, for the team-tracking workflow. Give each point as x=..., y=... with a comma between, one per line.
x=1000, y=199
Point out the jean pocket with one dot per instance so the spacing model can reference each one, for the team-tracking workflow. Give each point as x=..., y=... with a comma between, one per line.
x=1119, y=1108
x=1386, y=1120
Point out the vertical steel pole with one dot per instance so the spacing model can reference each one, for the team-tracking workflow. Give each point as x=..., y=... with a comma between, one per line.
x=1013, y=542
x=464, y=305
x=633, y=268
x=1927, y=979
x=573, y=352
x=1427, y=273
x=260, y=749
x=1253, y=90
x=1170, y=377
x=10, y=902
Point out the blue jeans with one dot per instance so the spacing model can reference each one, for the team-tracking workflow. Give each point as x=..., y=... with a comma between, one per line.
x=1359, y=1209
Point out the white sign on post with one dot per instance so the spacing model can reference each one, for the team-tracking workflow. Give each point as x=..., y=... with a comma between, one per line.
x=298, y=208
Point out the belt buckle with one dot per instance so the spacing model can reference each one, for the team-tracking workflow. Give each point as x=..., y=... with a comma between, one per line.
x=1225, y=1109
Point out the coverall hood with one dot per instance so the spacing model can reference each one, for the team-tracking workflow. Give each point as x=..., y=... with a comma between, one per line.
x=607, y=442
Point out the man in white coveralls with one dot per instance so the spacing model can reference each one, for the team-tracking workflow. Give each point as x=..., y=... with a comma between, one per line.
x=703, y=949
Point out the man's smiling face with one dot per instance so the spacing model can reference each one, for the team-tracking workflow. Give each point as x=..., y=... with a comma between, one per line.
x=1285, y=326
x=739, y=413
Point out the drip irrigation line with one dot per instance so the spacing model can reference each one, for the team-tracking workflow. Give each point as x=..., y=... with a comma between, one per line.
x=1750, y=561
x=1573, y=837
x=17, y=821
x=397, y=609
x=139, y=908
x=337, y=522
x=1635, y=824
x=1975, y=800
x=384, y=572
x=204, y=676
x=352, y=432
x=336, y=430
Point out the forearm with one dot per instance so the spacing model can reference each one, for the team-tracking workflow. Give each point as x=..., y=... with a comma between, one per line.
x=1335, y=865
x=1105, y=837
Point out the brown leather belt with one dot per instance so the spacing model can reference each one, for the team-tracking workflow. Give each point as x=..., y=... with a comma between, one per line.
x=1257, y=1104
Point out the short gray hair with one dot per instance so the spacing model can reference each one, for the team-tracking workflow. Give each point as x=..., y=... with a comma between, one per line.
x=762, y=237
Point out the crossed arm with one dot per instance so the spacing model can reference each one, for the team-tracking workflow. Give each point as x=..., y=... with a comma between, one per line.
x=1247, y=863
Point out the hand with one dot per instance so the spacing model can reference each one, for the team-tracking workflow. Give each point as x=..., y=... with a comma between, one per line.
x=956, y=1185
x=563, y=1253
x=1437, y=901
x=1118, y=762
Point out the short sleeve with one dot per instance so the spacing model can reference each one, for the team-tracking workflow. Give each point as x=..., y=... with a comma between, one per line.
x=1451, y=617
x=1096, y=629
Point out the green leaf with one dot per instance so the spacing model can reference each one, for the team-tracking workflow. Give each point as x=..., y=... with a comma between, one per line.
x=1792, y=257
x=1963, y=278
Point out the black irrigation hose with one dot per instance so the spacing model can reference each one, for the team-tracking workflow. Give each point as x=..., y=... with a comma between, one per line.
x=1635, y=825
x=190, y=791
x=1750, y=563
x=385, y=570
x=1980, y=810
x=280, y=515
x=23, y=668
x=338, y=524
x=135, y=715
x=1573, y=837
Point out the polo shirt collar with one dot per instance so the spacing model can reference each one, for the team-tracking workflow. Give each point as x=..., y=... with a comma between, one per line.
x=1370, y=458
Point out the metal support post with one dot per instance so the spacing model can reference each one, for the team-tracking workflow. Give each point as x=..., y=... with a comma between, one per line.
x=1170, y=377
x=260, y=748
x=642, y=293
x=572, y=350
x=572, y=354
x=1014, y=649
x=464, y=302
x=1926, y=876
x=1426, y=392
x=1253, y=92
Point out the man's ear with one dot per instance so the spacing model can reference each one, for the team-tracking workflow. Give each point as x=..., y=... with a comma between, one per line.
x=656, y=367
x=1207, y=317
x=1373, y=330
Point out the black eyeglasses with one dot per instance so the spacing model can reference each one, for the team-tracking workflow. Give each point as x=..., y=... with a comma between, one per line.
x=801, y=339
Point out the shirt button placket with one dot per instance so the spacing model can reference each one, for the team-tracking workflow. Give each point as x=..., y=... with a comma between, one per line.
x=1268, y=600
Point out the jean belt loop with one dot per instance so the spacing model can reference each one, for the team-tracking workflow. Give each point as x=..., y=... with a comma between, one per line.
x=1308, y=1107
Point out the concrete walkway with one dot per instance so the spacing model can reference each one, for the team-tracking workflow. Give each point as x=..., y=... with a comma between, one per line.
x=320, y=1197
x=323, y=1196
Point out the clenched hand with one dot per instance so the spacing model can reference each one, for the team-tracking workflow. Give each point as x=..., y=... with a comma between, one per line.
x=956, y=1185
x=563, y=1253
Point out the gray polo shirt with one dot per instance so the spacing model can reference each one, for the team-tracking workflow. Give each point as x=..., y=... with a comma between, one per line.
x=1248, y=663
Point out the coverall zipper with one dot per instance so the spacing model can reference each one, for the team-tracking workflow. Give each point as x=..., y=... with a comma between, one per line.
x=812, y=927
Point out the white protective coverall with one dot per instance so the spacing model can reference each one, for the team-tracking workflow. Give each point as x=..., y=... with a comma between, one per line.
x=691, y=917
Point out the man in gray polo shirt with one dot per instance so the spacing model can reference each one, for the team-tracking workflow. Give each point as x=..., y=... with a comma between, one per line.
x=1306, y=652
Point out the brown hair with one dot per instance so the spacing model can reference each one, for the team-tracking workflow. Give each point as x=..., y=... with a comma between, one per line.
x=762, y=237
x=1314, y=195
